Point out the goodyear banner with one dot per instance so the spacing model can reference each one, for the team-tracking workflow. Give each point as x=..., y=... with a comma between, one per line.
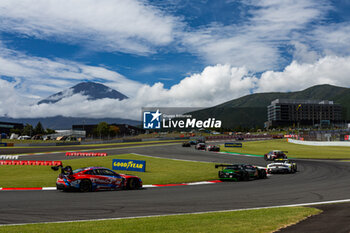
x=233, y=144
x=129, y=165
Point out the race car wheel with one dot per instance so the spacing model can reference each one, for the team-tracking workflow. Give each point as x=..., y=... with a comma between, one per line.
x=245, y=177
x=133, y=184
x=85, y=186
x=265, y=157
x=262, y=174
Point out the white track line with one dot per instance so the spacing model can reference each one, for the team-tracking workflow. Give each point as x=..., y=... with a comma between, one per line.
x=177, y=214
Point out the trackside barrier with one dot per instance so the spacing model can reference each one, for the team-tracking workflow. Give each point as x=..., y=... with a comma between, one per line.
x=132, y=140
x=8, y=157
x=233, y=144
x=30, y=162
x=86, y=154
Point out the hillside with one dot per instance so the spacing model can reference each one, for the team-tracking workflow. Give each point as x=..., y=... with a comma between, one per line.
x=251, y=110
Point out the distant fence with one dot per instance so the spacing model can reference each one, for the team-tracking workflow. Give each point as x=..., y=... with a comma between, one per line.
x=237, y=137
x=319, y=143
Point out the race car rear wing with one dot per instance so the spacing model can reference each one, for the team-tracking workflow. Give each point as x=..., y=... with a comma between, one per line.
x=222, y=165
x=64, y=170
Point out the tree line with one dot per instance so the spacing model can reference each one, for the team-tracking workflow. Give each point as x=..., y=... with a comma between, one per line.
x=29, y=130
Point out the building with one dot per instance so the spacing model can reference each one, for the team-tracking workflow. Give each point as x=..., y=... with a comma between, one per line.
x=287, y=112
x=6, y=127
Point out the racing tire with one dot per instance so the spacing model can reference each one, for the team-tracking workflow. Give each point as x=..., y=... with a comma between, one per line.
x=85, y=186
x=133, y=184
x=245, y=177
x=265, y=157
x=262, y=174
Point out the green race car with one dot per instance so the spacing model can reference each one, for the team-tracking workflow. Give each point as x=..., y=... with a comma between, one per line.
x=238, y=172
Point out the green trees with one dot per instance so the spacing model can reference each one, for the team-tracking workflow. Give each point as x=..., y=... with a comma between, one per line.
x=28, y=130
x=39, y=129
x=103, y=130
x=113, y=130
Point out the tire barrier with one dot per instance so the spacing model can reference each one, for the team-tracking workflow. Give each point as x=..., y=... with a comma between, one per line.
x=86, y=154
x=30, y=162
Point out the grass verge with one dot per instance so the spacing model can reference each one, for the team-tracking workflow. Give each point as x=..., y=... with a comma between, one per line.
x=294, y=150
x=263, y=220
x=158, y=171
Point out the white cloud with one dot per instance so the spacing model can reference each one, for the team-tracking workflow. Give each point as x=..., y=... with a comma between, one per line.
x=214, y=85
x=303, y=53
x=332, y=39
x=127, y=26
x=256, y=43
x=327, y=70
x=42, y=76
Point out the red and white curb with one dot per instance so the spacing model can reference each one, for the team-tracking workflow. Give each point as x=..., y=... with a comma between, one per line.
x=144, y=186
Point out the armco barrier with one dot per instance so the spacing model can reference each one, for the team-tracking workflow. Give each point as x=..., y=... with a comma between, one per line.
x=30, y=162
x=86, y=154
x=67, y=143
x=132, y=140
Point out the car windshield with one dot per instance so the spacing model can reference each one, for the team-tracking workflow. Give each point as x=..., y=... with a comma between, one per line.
x=234, y=167
x=78, y=170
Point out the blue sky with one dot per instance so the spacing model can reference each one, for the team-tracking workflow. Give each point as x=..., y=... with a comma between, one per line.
x=169, y=53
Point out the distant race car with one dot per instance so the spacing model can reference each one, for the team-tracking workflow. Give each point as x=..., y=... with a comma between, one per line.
x=201, y=140
x=275, y=154
x=282, y=166
x=213, y=148
x=200, y=146
x=94, y=178
x=186, y=144
x=240, y=172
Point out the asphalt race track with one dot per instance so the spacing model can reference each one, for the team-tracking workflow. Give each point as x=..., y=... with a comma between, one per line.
x=315, y=181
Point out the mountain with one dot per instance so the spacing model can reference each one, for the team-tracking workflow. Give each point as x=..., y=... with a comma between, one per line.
x=92, y=90
x=60, y=122
x=251, y=110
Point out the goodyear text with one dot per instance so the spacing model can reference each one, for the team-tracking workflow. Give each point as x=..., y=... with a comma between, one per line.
x=129, y=165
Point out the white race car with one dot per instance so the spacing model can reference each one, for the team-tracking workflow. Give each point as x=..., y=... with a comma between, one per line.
x=275, y=154
x=282, y=166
